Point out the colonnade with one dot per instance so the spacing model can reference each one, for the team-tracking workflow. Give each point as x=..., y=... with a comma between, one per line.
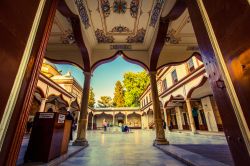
x=82, y=122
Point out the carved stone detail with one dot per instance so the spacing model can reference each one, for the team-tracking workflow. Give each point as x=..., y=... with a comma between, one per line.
x=138, y=38
x=156, y=12
x=134, y=6
x=83, y=13
x=102, y=38
x=105, y=7
x=170, y=37
x=120, y=29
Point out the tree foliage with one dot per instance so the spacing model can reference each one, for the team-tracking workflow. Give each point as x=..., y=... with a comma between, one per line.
x=105, y=101
x=118, y=99
x=134, y=84
x=91, y=98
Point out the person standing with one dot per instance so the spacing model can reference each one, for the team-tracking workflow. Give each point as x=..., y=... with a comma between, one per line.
x=104, y=125
x=70, y=117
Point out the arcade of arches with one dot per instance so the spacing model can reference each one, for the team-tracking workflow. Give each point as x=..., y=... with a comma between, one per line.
x=210, y=36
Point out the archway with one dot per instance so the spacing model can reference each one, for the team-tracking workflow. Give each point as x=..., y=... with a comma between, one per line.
x=99, y=118
x=218, y=85
x=208, y=116
x=134, y=120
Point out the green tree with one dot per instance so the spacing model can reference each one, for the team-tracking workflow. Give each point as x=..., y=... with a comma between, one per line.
x=134, y=84
x=91, y=98
x=118, y=99
x=105, y=101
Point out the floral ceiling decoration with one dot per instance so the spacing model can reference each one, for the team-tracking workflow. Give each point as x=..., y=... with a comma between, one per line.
x=170, y=37
x=138, y=38
x=134, y=6
x=120, y=6
x=83, y=13
x=68, y=38
x=120, y=29
x=102, y=38
x=156, y=12
x=119, y=21
x=105, y=7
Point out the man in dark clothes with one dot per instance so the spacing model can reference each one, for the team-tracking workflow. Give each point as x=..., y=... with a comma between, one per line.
x=164, y=124
x=70, y=117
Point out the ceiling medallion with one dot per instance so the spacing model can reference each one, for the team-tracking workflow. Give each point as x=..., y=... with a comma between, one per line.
x=83, y=13
x=134, y=6
x=156, y=12
x=138, y=38
x=120, y=6
x=105, y=7
x=102, y=38
x=120, y=29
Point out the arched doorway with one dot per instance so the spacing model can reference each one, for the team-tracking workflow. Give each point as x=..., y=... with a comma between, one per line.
x=134, y=120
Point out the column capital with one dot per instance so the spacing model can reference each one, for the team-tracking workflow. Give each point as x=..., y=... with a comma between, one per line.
x=87, y=73
x=152, y=72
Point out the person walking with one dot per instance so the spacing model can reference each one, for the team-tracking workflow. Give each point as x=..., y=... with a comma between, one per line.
x=104, y=125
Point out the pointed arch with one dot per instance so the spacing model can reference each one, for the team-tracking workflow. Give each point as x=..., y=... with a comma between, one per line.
x=194, y=54
x=116, y=55
x=177, y=97
x=202, y=82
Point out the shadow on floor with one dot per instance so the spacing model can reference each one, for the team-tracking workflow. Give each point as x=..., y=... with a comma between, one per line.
x=219, y=153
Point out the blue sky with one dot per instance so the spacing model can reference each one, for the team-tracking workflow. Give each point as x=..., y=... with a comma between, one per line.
x=104, y=77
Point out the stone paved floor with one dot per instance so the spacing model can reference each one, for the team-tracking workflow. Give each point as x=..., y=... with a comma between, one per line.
x=211, y=146
x=132, y=149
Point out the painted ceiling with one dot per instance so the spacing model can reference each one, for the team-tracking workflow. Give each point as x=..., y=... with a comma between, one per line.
x=119, y=21
x=128, y=25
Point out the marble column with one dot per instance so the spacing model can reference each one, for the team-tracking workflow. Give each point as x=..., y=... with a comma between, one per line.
x=160, y=134
x=166, y=118
x=179, y=118
x=83, y=119
x=141, y=122
x=126, y=118
x=113, y=118
x=92, y=124
x=147, y=120
x=190, y=115
x=43, y=103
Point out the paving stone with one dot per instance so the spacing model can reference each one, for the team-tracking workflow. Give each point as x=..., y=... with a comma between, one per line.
x=133, y=149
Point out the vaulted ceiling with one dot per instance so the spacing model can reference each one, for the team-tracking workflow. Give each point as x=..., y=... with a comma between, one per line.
x=87, y=32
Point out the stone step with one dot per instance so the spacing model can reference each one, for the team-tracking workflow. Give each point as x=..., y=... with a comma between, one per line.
x=187, y=157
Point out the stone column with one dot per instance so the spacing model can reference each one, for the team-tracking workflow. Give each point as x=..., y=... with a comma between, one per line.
x=190, y=115
x=82, y=123
x=126, y=118
x=209, y=114
x=92, y=124
x=179, y=118
x=160, y=134
x=43, y=103
x=113, y=118
x=141, y=122
x=165, y=118
x=147, y=121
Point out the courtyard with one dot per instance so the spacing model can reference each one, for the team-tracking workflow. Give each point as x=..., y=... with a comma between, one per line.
x=136, y=149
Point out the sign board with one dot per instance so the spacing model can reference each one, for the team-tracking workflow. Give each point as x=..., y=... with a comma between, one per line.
x=61, y=118
x=46, y=115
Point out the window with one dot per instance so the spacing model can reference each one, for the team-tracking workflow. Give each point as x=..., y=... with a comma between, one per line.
x=174, y=77
x=164, y=84
x=190, y=65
